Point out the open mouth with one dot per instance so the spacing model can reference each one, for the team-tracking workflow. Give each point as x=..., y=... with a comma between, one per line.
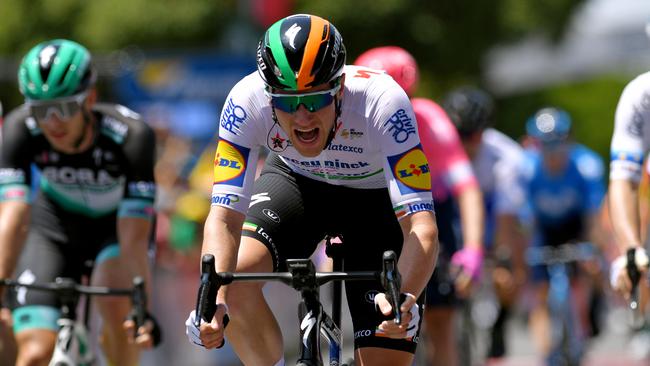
x=57, y=135
x=307, y=136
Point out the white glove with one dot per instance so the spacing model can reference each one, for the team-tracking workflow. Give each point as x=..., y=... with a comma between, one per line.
x=193, y=333
x=412, y=328
x=620, y=264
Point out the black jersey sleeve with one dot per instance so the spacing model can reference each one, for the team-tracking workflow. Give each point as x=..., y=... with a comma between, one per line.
x=16, y=155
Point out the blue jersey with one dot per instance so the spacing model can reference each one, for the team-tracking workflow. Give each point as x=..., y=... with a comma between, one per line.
x=560, y=203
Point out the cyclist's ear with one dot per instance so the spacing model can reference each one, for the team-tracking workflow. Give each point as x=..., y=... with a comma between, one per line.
x=91, y=99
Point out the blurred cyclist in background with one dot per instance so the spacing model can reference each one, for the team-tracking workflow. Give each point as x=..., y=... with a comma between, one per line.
x=495, y=159
x=629, y=147
x=95, y=200
x=453, y=183
x=565, y=188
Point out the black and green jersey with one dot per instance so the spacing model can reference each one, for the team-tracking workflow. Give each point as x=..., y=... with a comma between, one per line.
x=115, y=175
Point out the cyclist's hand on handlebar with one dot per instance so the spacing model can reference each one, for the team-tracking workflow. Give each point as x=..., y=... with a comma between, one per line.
x=466, y=269
x=410, y=316
x=619, y=277
x=209, y=335
x=148, y=335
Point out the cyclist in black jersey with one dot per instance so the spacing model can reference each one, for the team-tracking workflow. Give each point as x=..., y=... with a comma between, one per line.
x=76, y=184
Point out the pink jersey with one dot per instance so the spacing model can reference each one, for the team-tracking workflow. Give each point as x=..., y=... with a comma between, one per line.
x=451, y=170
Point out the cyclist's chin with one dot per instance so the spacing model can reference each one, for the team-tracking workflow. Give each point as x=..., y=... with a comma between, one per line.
x=309, y=149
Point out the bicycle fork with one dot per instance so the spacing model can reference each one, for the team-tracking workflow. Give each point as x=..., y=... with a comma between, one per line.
x=313, y=321
x=567, y=345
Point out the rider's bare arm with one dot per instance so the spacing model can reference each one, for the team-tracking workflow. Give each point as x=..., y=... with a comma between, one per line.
x=420, y=251
x=14, y=221
x=623, y=205
x=221, y=236
x=472, y=215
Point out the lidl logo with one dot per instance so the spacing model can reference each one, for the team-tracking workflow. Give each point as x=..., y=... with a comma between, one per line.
x=230, y=163
x=411, y=171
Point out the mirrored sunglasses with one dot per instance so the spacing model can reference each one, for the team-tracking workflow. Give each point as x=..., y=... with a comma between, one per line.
x=64, y=108
x=312, y=101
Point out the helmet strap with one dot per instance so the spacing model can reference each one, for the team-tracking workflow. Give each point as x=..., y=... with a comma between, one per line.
x=332, y=134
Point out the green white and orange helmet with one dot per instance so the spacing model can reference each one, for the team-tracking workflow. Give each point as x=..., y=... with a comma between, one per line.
x=299, y=52
x=55, y=69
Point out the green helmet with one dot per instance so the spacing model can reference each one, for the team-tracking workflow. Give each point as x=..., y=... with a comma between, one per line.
x=300, y=52
x=55, y=69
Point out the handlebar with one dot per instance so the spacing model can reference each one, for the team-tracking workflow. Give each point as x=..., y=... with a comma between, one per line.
x=68, y=290
x=560, y=254
x=300, y=277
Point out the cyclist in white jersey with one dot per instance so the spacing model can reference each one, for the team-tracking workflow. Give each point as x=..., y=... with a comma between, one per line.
x=347, y=160
x=496, y=161
x=630, y=144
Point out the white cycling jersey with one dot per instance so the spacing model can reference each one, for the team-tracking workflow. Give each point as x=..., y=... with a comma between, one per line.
x=497, y=166
x=376, y=143
x=631, y=138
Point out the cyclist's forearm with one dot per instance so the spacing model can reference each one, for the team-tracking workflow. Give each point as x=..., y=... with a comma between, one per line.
x=624, y=213
x=14, y=224
x=134, y=237
x=419, y=253
x=221, y=237
x=470, y=202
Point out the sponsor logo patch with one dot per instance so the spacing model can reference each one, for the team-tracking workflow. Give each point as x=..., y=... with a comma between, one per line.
x=411, y=171
x=232, y=117
x=228, y=199
x=230, y=163
x=351, y=133
x=271, y=215
x=400, y=125
x=407, y=209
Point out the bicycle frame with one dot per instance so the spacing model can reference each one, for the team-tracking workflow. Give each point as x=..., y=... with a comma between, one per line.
x=303, y=277
x=71, y=347
x=567, y=345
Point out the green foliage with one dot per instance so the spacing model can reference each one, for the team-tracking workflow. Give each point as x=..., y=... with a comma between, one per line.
x=111, y=24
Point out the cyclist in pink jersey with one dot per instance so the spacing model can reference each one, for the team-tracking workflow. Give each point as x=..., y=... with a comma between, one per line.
x=454, y=188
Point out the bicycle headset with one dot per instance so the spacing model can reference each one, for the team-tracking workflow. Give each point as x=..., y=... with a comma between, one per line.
x=470, y=109
x=396, y=61
x=549, y=125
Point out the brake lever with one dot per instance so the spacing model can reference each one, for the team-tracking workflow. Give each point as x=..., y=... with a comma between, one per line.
x=206, y=302
x=391, y=280
x=635, y=276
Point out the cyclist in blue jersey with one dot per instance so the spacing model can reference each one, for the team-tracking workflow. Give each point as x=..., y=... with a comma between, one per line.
x=565, y=187
x=94, y=201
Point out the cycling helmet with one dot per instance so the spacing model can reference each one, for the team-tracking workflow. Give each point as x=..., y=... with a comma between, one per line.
x=469, y=109
x=300, y=52
x=55, y=69
x=397, y=63
x=549, y=125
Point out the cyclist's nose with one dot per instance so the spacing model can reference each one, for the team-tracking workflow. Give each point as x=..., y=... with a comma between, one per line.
x=302, y=115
